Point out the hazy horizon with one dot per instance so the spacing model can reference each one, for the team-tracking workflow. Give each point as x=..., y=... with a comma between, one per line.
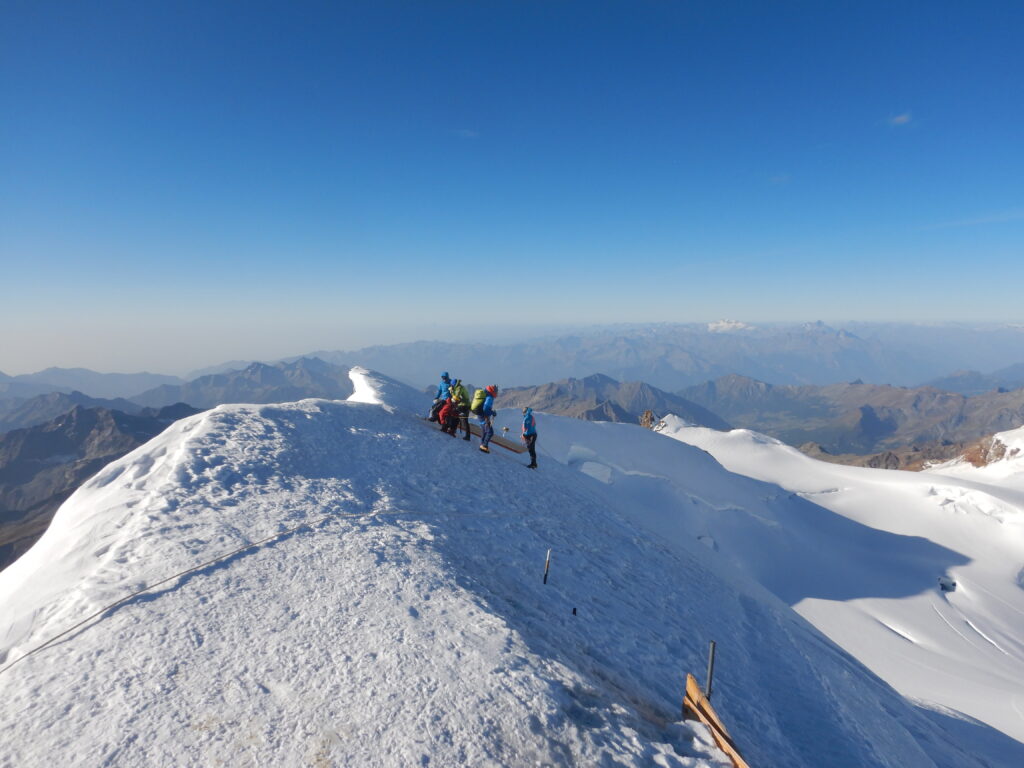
x=191, y=361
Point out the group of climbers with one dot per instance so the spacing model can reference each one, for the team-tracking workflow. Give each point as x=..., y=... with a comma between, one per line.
x=455, y=410
x=452, y=408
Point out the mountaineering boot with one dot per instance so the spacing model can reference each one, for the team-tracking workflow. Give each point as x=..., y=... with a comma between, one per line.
x=466, y=437
x=485, y=449
x=531, y=466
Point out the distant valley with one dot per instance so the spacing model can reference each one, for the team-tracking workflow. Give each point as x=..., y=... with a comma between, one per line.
x=858, y=418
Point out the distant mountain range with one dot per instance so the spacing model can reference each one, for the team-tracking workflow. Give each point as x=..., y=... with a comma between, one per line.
x=672, y=356
x=975, y=383
x=17, y=413
x=858, y=418
x=230, y=365
x=42, y=465
x=602, y=398
x=257, y=383
x=669, y=356
x=102, y=385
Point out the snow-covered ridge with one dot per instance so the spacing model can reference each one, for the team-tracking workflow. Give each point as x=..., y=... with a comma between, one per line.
x=413, y=627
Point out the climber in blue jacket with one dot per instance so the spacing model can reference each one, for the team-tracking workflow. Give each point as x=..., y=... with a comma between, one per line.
x=440, y=397
x=442, y=388
x=530, y=435
x=483, y=408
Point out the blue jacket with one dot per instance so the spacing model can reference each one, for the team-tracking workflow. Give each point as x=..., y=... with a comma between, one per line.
x=529, y=423
x=488, y=407
x=442, y=390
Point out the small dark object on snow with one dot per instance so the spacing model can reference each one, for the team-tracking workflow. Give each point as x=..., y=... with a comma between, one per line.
x=947, y=584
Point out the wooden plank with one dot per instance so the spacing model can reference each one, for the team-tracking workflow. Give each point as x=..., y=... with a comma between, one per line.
x=503, y=442
x=701, y=710
x=696, y=694
x=720, y=738
x=474, y=428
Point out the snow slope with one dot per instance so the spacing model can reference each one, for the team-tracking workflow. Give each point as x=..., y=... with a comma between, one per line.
x=891, y=536
x=407, y=624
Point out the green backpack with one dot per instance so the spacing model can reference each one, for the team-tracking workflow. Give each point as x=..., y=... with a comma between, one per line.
x=478, y=401
x=459, y=394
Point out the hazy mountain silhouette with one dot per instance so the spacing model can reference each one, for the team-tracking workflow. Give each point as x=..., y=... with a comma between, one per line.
x=17, y=413
x=975, y=383
x=210, y=370
x=601, y=398
x=102, y=385
x=257, y=383
x=672, y=356
x=12, y=389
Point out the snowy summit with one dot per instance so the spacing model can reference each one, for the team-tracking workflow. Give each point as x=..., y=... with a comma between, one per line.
x=727, y=326
x=392, y=610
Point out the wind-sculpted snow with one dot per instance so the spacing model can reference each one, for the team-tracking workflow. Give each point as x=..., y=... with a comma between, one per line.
x=932, y=601
x=411, y=627
x=376, y=388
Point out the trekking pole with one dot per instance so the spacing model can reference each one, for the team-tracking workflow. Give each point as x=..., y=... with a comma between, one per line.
x=547, y=566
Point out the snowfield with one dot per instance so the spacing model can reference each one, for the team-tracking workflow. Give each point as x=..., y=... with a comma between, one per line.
x=407, y=623
x=955, y=647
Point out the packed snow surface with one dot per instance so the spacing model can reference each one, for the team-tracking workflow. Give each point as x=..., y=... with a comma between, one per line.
x=407, y=623
x=918, y=575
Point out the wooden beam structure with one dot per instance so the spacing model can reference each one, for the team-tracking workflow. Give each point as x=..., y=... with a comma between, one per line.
x=508, y=445
x=697, y=707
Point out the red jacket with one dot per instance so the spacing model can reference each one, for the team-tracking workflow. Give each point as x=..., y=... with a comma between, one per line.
x=447, y=410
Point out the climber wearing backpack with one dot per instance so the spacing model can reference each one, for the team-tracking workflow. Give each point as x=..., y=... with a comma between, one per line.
x=483, y=408
x=440, y=397
x=530, y=435
x=460, y=399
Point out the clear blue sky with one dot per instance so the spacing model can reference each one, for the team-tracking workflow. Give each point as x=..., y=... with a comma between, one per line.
x=187, y=182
